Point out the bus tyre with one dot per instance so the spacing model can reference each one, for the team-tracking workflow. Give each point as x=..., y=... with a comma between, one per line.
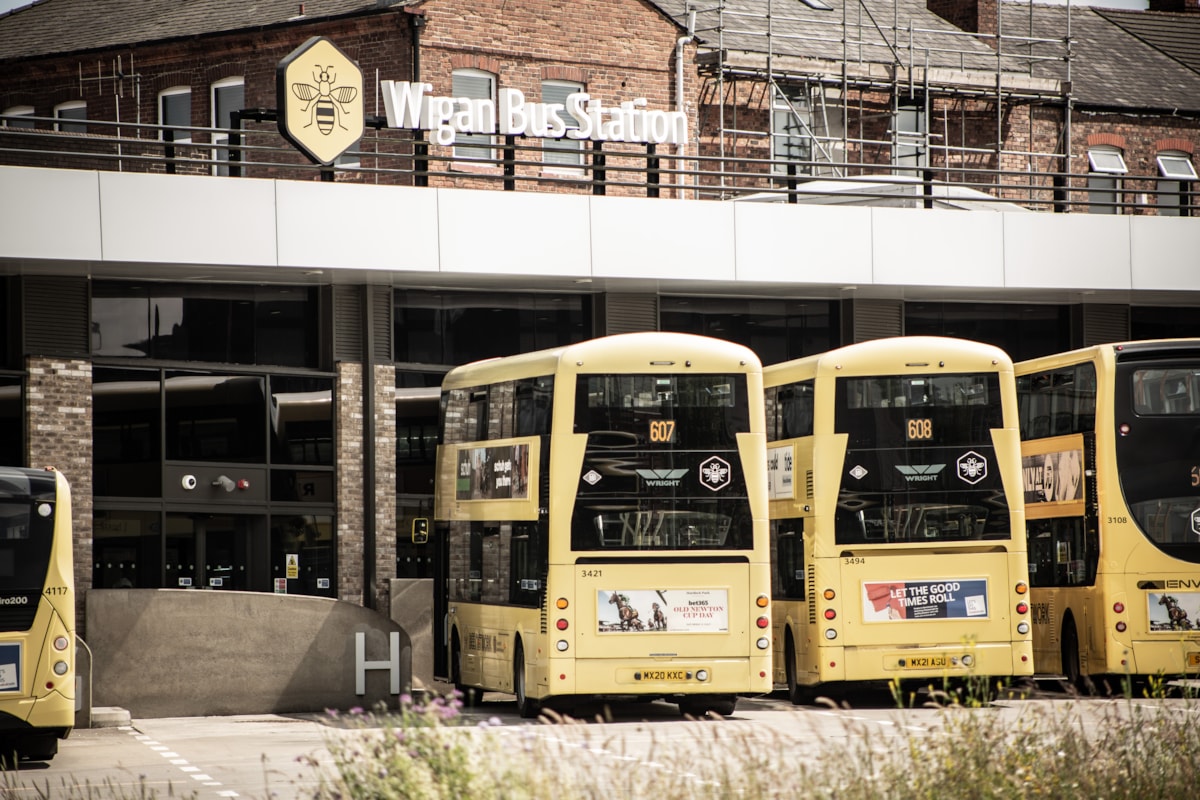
x=527, y=707
x=466, y=693
x=1070, y=659
x=796, y=692
x=700, y=706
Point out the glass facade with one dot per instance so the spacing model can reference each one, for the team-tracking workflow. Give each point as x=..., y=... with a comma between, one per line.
x=1023, y=331
x=276, y=325
x=215, y=471
x=777, y=330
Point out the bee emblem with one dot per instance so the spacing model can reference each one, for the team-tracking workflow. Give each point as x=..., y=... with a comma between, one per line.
x=326, y=102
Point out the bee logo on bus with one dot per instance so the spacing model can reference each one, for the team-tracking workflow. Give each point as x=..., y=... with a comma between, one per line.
x=972, y=467
x=715, y=473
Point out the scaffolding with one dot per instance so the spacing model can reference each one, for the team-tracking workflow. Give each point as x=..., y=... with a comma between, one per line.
x=854, y=93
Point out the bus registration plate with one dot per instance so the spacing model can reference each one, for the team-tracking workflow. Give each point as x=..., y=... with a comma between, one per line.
x=926, y=662
x=661, y=675
x=1193, y=659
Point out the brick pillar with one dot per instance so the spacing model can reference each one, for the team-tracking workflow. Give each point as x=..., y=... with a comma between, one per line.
x=348, y=481
x=58, y=429
x=385, y=485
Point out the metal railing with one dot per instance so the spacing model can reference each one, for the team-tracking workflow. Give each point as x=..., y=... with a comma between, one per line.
x=512, y=163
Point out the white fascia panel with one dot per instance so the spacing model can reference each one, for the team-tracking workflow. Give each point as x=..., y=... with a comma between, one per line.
x=50, y=214
x=357, y=226
x=659, y=239
x=934, y=247
x=803, y=244
x=511, y=233
x=188, y=219
x=1165, y=253
x=1067, y=251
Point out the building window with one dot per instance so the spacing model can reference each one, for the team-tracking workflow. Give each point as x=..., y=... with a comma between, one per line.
x=777, y=330
x=563, y=152
x=479, y=89
x=175, y=109
x=791, y=128
x=1106, y=167
x=1177, y=175
x=910, y=132
x=228, y=95
x=71, y=117
x=14, y=114
x=225, y=324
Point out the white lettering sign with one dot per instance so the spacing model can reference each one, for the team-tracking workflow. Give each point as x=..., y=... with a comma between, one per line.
x=409, y=105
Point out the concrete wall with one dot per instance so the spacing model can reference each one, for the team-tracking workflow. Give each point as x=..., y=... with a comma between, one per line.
x=412, y=608
x=178, y=652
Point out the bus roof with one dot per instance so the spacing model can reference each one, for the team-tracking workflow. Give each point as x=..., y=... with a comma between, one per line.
x=892, y=355
x=642, y=351
x=1136, y=347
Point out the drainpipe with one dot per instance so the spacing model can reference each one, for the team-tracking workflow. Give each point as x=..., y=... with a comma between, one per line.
x=680, y=105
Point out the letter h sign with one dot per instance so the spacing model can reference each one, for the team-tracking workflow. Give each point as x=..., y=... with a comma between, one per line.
x=361, y=665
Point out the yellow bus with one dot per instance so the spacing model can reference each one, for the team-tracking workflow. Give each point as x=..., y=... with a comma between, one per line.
x=37, y=614
x=601, y=515
x=896, y=517
x=1111, y=449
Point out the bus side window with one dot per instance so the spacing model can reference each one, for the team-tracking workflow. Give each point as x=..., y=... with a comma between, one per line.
x=787, y=540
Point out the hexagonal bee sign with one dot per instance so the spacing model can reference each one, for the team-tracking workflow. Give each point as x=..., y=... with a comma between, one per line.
x=1196, y=522
x=318, y=91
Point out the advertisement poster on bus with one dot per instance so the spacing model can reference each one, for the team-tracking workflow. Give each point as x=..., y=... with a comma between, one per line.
x=955, y=598
x=674, y=610
x=1053, y=477
x=779, y=472
x=492, y=473
x=1174, y=611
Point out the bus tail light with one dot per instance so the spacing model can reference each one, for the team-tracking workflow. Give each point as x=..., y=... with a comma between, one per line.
x=60, y=668
x=830, y=633
x=562, y=645
x=1021, y=588
x=1121, y=626
x=1022, y=628
x=562, y=624
x=763, y=643
x=830, y=613
x=1022, y=607
x=829, y=594
x=1123, y=428
x=763, y=601
x=61, y=643
x=561, y=603
x=701, y=674
x=1119, y=607
x=762, y=622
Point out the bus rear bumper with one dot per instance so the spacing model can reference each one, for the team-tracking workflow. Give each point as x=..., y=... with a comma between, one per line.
x=936, y=661
x=657, y=677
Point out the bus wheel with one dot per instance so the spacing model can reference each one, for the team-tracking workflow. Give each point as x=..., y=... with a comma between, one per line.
x=1070, y=659
x=699, y=706
x=526, y=706
x=796, y=693
x=467, y=693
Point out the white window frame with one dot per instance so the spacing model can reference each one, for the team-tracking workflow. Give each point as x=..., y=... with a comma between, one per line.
x=1107, y=167
x=173, y=92
x=74, y=124
x=19, y=111
x=220, y=139
x=565, y=154
x=911, y=131
x=1178, y=173
x=470, y=154
x=791, y=128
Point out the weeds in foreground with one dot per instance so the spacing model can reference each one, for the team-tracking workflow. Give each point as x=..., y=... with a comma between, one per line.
x=428, y=751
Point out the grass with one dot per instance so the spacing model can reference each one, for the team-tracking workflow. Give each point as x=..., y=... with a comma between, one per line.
x=430, y=751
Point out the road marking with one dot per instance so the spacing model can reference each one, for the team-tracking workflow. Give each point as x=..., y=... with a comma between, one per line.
x=187, y=769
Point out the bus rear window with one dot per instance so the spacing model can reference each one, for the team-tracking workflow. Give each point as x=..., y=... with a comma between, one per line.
x=1166, y=391
x=680, y=410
